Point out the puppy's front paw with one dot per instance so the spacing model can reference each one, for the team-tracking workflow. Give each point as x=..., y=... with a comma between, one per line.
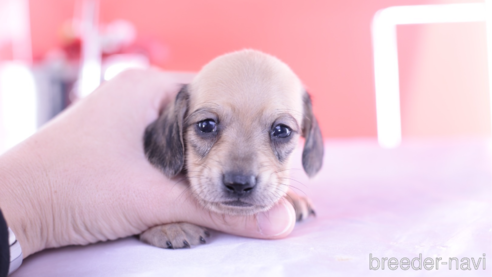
x=175, y=235
x=302, y=205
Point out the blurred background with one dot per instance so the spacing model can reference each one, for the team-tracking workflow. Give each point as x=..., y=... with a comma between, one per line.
x=53, y=52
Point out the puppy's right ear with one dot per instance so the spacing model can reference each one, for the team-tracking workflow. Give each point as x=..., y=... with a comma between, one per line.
x=163, y=139
x=312, y=155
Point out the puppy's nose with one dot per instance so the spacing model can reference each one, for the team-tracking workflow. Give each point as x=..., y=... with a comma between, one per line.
x=239, y=184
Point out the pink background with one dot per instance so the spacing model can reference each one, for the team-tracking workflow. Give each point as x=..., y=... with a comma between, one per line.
x=443, y=67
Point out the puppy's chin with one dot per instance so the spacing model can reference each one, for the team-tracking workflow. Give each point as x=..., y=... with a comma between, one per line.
x=234, y=207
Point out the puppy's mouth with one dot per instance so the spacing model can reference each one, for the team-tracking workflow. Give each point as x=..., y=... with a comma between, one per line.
x=237, y=203
x=235, y=207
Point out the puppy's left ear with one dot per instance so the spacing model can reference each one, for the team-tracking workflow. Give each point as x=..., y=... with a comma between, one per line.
x=312, y=155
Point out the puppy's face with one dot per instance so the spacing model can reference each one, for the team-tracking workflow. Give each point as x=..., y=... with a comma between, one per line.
x=239, y=121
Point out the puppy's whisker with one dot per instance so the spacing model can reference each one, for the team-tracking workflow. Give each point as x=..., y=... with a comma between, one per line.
x=290, y=169
x=187, y=195
x=297, y=189
x=291, y=179
x=296, y=169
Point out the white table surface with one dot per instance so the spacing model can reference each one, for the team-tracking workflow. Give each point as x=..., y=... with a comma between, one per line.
x=429, y=197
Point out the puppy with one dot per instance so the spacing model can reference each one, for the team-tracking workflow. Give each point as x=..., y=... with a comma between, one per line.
x=231, y=132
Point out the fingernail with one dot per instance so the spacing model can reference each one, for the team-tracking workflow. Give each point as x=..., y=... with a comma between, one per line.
x=277, y=221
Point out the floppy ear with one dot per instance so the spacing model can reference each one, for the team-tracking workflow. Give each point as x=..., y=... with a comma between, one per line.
x=163, y=139
x=312, y=155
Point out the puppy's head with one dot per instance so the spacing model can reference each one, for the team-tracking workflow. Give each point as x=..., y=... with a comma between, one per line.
x=233, y=130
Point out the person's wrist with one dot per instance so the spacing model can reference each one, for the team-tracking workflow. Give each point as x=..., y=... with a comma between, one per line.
x=24, y=187
x=15, y=252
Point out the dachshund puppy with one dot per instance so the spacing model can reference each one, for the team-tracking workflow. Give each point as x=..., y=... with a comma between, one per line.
x=231, y=132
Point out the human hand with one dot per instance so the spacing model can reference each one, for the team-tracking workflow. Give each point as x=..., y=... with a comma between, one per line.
x=84, y=177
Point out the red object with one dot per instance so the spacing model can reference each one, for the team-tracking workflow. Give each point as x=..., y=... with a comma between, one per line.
x=327, y=43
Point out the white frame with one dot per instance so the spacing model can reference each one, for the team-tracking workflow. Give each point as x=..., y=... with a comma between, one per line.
x=385, y=53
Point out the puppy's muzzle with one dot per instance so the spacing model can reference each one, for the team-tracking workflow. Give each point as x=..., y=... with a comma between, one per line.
x=239, y=185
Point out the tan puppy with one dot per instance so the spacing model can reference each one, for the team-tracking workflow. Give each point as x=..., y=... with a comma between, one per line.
x=231, y=131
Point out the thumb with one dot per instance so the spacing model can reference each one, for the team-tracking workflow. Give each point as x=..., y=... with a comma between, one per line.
x=278, y=222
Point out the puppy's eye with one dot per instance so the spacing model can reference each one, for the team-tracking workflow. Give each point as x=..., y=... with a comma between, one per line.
x=281, y=131
x=207, y=126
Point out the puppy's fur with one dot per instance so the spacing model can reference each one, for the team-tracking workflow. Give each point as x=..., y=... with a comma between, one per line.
x=259, y=109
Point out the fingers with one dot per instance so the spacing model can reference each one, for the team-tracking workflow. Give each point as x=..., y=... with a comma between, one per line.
x=124, y=106
x=152, y=84
x=138, y=86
